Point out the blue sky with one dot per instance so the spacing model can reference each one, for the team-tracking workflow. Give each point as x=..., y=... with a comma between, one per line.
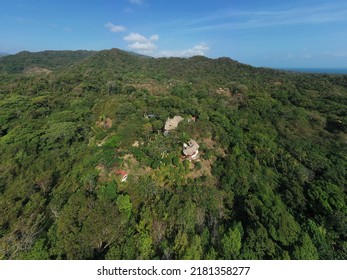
x=272, y=33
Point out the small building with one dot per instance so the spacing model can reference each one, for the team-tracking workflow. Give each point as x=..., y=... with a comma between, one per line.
x=191, y=150
x=192, y=119
x=149, y=116
x=172, y=124
x=123, y=174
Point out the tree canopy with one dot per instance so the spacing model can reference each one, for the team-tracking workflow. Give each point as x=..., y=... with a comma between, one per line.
x=269, y=182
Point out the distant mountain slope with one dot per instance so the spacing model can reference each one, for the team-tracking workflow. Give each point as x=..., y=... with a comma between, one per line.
x=110, y=64
x=51, y=60
x=201, y=72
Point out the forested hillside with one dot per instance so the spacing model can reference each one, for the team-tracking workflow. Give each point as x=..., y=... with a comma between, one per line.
x=50, y=60
x=269, y=181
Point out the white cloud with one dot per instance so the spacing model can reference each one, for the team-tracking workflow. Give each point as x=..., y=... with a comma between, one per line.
x=154, y=37
x=200, y=49
x=115, y=28
x=141, y=43
x=136, y=2
x=135, y=37
x=143, y=47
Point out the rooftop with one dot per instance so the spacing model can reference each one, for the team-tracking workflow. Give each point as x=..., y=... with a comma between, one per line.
x=173, y=123
x=190, y=148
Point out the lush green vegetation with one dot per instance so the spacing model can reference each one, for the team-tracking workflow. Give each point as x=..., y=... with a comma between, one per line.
x=269, y=184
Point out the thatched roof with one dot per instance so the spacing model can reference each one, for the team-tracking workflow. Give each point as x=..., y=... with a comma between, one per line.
x=190, y=148
x=173, y=123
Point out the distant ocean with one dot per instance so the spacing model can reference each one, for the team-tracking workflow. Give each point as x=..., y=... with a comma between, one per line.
x=317, y=70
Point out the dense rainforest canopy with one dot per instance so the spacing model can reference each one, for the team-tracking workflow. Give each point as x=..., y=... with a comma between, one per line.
x=269, y=183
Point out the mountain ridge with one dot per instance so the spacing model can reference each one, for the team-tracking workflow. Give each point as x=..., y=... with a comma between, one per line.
x=52, y=60
x=58, y=59
x=67, y=58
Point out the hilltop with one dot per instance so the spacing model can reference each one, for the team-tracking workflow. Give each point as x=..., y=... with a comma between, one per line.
x=51, y=60
x=87, y=171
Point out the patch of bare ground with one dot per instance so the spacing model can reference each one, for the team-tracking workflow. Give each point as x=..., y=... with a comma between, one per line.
x=206, y=164
x=130, y=162
x=205, y=169
x=144, y=171
x=209, y=143
x=103, y=172
x=224, y=91
x=212, y=145
x=105, y=124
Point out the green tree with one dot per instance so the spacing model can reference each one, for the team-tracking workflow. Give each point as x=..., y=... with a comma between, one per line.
x=232, y=242
x=305, y=250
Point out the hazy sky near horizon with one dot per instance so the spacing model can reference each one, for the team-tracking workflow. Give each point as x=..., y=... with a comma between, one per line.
x=272, y=33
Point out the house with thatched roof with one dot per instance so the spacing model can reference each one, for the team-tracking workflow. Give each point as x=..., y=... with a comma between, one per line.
x=191, y=149
x=172, y=124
